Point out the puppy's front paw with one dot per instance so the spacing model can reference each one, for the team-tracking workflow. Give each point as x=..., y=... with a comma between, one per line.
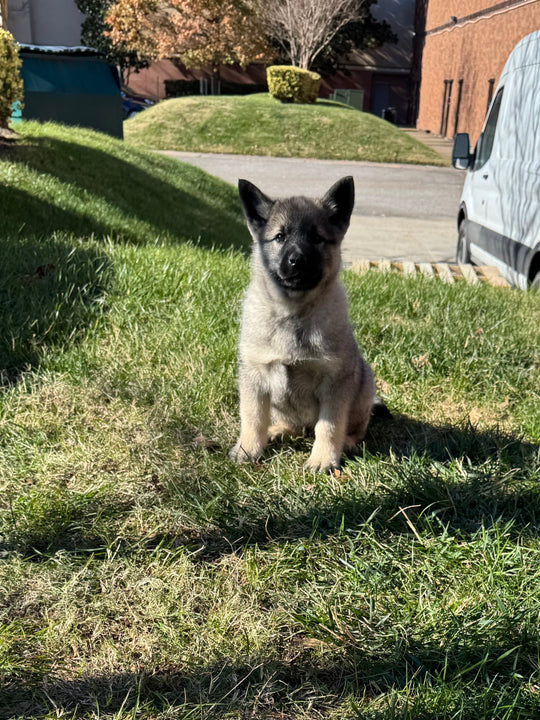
x=240, y=454
x=322, y=461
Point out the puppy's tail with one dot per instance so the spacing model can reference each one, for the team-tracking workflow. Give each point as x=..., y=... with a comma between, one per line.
x=380, y=410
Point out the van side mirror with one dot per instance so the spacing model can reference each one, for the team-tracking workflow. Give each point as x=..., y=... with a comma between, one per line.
x=461, y=153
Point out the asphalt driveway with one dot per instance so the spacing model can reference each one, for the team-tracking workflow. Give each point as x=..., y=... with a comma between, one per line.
x=402, y=212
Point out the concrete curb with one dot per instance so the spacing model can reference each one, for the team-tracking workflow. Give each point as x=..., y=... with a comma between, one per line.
x=471, y=274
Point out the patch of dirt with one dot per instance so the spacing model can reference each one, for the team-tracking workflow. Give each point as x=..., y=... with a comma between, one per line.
x=8, y=138
x=457, y=410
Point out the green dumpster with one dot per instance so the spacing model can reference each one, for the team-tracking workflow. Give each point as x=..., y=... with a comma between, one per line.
x=73, y=86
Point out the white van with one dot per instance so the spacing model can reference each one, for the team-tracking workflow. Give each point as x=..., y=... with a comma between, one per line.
x=499, y=213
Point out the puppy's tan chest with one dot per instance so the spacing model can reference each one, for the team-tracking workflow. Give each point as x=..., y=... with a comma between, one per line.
x=293, y=388
x=295, y=342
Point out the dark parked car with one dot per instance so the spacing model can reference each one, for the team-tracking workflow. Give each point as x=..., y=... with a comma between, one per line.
x=133, y=104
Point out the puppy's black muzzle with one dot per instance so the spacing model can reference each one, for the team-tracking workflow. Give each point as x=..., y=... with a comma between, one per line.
x=300, y=268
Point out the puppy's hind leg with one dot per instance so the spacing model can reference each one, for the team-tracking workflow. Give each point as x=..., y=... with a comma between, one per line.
x=356, y=434
x=360, y=413
x=281, y=426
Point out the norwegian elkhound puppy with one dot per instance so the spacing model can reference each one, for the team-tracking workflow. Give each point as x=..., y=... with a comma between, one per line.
x=300, y=367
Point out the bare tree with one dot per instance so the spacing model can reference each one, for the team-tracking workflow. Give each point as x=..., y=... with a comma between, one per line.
x=303, y=28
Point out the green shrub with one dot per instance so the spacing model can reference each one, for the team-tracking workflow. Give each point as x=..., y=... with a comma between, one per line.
x=293, y=84
x=11, y=86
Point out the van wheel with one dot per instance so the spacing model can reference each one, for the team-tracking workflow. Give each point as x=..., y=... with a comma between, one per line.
x=463, y=251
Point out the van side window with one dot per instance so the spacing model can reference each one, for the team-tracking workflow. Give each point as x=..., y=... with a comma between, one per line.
x=485, y=142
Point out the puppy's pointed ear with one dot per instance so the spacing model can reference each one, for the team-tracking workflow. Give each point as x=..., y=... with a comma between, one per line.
x=339, y=202
x=257, y=206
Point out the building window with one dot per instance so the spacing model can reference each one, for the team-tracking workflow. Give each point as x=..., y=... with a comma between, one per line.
x=458, y=105
x=447, y=98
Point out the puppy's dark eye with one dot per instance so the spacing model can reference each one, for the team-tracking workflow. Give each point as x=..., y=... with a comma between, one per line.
x=317, y=239
x=280, y=237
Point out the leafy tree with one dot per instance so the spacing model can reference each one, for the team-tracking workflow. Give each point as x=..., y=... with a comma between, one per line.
x=94, y=31
x=199, y=33
x=11, y=85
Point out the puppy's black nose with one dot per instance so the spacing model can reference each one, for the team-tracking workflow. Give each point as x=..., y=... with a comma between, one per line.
x=294, y=258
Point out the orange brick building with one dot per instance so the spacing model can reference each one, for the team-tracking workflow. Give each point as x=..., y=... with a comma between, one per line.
x=466, y=44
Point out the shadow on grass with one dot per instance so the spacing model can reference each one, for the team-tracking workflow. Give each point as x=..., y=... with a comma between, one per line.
x=202, y=210
x=51, y=291
x=469, y=676
x=446, y=478
x=26, y=217
x=260, y=687
x=45, y=521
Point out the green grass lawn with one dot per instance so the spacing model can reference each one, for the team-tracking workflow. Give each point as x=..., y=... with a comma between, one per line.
x=260, y=125
x=143, y=575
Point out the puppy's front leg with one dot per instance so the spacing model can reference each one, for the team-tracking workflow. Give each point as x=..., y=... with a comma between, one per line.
x=254, y=419
x=330, y=429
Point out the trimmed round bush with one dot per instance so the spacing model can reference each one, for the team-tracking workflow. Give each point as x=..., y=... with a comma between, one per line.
x=292, y=84
x=11, y=85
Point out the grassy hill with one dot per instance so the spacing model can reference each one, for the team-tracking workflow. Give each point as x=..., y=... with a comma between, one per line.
x=66, y=195
x=144, y=575
x=260, y=125
x=84, y=183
